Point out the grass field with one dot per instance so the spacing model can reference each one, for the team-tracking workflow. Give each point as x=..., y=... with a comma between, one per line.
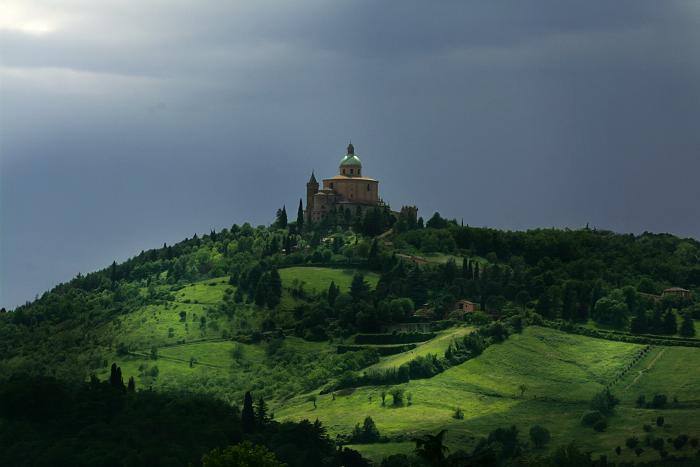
x=436, y=346
x=561, y=373
x=318, y=279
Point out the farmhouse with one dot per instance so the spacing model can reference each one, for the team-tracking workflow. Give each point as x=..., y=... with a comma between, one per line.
x=678, y=292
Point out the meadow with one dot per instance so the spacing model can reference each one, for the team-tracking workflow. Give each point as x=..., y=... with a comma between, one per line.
x=542, y=376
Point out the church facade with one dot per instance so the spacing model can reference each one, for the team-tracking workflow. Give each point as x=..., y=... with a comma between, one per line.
x=349, y=190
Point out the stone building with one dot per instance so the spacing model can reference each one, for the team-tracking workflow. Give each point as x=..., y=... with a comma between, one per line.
x=349, y=190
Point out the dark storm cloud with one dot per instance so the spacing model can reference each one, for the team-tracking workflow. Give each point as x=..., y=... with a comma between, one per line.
x=125, y=124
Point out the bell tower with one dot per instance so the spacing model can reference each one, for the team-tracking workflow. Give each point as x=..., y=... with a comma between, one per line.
x=311, y=190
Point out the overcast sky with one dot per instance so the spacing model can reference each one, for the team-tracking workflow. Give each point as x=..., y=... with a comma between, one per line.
x=126, y=124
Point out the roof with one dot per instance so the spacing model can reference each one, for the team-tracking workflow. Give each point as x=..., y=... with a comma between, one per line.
x=346, y=177
x=676, y=289
x=350, y=158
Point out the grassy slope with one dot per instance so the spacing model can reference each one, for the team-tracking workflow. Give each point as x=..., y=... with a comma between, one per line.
x=561, y=372
x=437, y=346
x=565, y=369
x=318, y=279
x=216, y=366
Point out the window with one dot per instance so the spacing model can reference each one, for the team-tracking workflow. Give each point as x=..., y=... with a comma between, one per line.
x=331, y=186
x=368, y=187
x=351, y=171
x=343, y=171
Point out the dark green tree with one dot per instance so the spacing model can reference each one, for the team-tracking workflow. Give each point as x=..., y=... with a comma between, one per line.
x=248, y=414
x=274, y=289
x=131, y=387
x=539, y=435
x=431, y=448
x=687, y=327
x=333, y=292
x=359, y=288
x=300, y=217
x=261, y=413
x=281, y=218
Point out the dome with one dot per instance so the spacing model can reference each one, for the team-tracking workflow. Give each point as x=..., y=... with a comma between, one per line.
x=351, y=159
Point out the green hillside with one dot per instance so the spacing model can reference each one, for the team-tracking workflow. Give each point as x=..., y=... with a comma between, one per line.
x=321, y=321
x=561, y=374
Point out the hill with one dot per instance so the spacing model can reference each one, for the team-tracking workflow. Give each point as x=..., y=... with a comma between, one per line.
x=321, y=320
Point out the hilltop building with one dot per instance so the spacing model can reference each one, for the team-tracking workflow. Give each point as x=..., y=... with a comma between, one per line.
x=349, y=191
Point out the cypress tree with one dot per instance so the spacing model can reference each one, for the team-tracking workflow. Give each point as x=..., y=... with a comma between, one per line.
x=333, y=292
x=248, y=415
x=132, y=385
x=113, y=272
x=260, y=296
x=113, y=375
x=300, y=216
x=274, y=289
x=261, y=417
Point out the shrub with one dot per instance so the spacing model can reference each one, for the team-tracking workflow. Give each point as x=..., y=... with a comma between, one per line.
x=539, y=436
x=600, y=425
x=659, y=401
x=632, y=442
x=590, y=418
x=659, y=421
x=397, y=396
x=680, y=441
x=459, y=414
x=604, y=402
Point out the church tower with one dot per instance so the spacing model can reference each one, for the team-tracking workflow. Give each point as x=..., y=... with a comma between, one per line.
x=311, y=190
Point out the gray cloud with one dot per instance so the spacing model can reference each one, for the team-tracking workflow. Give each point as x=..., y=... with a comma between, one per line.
x=124, y=124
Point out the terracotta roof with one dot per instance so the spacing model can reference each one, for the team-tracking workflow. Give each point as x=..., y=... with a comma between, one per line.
x=345, y=177
x=676, y=289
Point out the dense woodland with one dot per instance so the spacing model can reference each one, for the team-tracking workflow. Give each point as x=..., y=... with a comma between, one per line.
x=52, y=345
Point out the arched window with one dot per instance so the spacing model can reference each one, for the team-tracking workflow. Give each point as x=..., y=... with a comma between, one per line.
x=351, y=171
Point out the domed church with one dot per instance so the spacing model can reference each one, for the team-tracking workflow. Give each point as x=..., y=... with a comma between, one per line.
x=349, y=190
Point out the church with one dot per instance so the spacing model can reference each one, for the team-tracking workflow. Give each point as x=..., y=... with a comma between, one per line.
x=349, y=191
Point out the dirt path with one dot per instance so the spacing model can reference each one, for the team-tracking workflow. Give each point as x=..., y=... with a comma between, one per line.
x=649, y=367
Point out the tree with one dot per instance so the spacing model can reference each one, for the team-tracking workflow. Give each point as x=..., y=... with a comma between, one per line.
x=539, y=436
x=604, y=402
x=248, y=414
x=368, y=433
x=300, y=216
x=132, y=385
x=522, y=389
x=274, y=289
x=281, y=218
x=260, y=296
x=359, y=288
x=687, y=327
x=397, y=396
x=115, y=378
x=312, y=398
x=245, y=454
x=611, y=310
x=431, y=448
x=261, y=416
x=333, y=292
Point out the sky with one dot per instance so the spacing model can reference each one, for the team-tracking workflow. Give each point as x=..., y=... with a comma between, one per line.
x=125, y=124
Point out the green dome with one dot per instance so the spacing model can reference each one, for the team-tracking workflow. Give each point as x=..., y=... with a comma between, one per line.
x=351, y=158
